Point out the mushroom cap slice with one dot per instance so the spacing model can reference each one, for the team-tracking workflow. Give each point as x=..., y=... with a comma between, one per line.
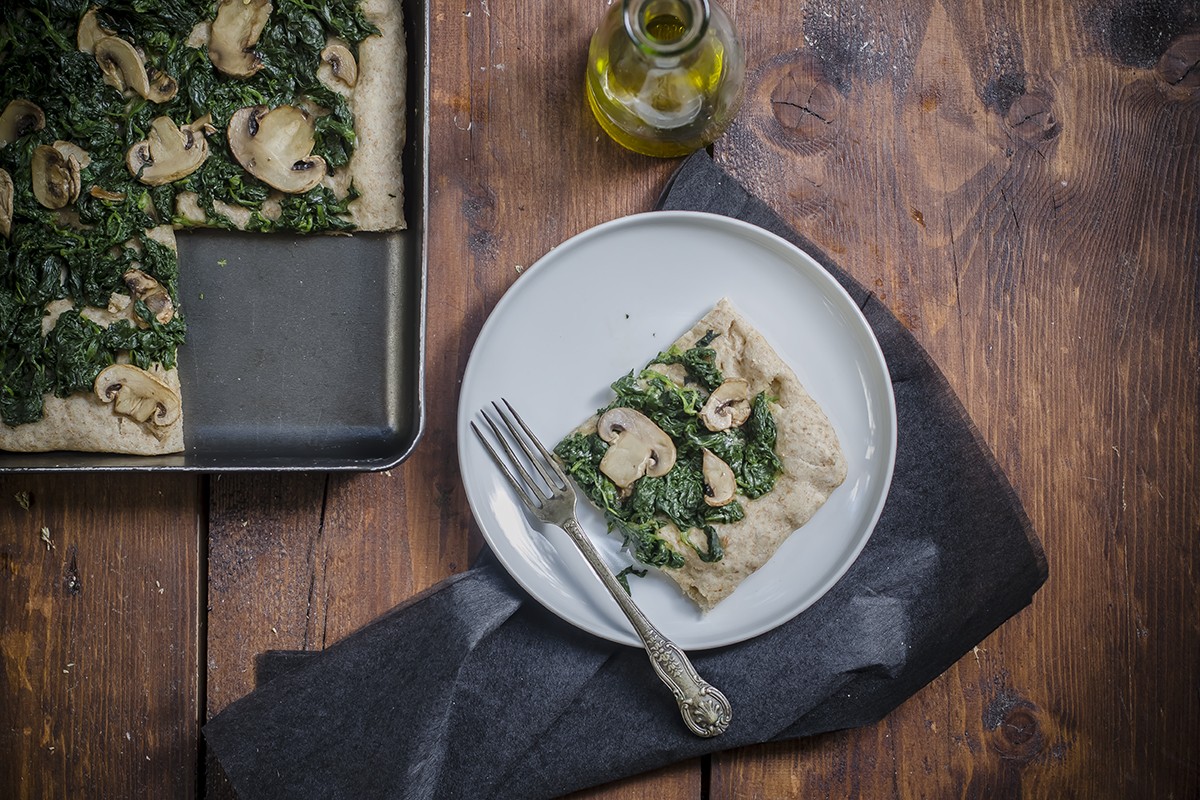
x=124, y=69
x=56, y=181
x=162, y=86
x=138, y=394
x=151, y=292
x=121, y=64
x=71, y=149
x=338, y=65
x=234, y=33
x=637, y=447
x=719, y=482
x=20, y=117
x=90, y=31
x=275, y=146
x=728, y=406
x=6, y=203
x=168, y=153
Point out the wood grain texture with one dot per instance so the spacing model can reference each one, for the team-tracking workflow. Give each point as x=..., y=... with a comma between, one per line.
x=99, y=636
x=1018, y=183
x=1017, y=180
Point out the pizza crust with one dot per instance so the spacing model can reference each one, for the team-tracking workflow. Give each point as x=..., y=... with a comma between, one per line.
x=378, y=103
x=813, y=462
x=82, y=422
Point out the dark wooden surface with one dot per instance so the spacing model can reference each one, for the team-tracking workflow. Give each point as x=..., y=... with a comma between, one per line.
x=1016, y=179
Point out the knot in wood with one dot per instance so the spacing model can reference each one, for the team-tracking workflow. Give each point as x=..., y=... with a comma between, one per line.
x=1180, y=64
x=799, y=104
x=804, y=105
x=1015, y=728
x=1032, y=117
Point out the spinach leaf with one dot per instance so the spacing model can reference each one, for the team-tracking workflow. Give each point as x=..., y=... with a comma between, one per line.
x=74, y=350
x=760, y=465
x=633, y=517
x=677, y=497
x=713, y=550
x=623, y=577
x=699, y=361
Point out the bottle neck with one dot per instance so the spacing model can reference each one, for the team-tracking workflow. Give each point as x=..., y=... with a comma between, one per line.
x=666, y=28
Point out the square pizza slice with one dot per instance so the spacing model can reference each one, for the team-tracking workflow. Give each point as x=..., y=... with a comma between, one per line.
x=709, y=458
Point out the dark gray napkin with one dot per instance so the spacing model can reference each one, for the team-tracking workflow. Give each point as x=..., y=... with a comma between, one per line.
x=474, y=690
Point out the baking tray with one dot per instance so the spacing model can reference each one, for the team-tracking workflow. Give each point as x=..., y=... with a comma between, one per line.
x=303, y=352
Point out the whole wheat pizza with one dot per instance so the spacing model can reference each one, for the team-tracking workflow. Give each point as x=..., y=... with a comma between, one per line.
x=707, y=459
x=125, y=122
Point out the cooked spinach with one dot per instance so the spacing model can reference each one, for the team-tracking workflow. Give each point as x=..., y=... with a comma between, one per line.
x=678, y=496
x=51, y=256
x=699, y=361
x=623, y=576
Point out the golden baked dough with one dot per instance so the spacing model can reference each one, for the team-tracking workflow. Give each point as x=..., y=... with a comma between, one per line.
x=378, y=102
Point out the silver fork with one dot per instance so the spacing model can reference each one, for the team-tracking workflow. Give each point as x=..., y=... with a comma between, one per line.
x=705, y=710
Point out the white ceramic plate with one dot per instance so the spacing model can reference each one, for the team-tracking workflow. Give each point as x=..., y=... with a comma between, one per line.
x=607, y=301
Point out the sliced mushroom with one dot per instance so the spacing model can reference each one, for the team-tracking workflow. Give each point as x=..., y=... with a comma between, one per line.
x=6, y=203
x=151, y=292
x=169, y=153
x=162, y=86
x=55, y=177
x=90, y=31
x=637, y=447
x=234, y=33
x=275, y=146
x=72, y=149
x=20, y=117
x=719, y=483
x=138, y=394
x=124, y=70
x=337, y=65
x=728, y=406
x=100, y=193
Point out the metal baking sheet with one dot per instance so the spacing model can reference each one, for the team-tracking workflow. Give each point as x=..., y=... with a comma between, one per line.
x=303, y=352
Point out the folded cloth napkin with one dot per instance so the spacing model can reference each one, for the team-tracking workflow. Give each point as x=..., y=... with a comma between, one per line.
x=474, y=690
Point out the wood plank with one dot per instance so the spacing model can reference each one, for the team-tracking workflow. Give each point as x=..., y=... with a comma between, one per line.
x=264, y=561
x=99, y=635
x=265, y=564
x=1019, y=184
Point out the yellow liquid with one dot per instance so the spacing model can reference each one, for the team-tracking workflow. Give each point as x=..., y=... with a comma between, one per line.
x=658, y=108
x=666, y=28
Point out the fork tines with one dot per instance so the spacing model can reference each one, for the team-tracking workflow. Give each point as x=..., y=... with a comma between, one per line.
x=531, y=492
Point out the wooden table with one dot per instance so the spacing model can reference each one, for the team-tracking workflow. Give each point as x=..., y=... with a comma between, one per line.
x=1017, y=181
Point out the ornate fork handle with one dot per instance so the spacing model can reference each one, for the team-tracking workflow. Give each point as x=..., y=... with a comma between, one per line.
x=705, y=710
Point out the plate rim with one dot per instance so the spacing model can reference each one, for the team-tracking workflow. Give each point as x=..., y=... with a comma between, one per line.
x=552, y=256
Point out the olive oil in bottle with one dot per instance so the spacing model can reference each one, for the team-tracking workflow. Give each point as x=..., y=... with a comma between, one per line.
x=664, y=77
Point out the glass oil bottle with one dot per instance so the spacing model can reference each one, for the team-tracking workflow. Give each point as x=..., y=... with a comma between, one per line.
x=665, y=77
